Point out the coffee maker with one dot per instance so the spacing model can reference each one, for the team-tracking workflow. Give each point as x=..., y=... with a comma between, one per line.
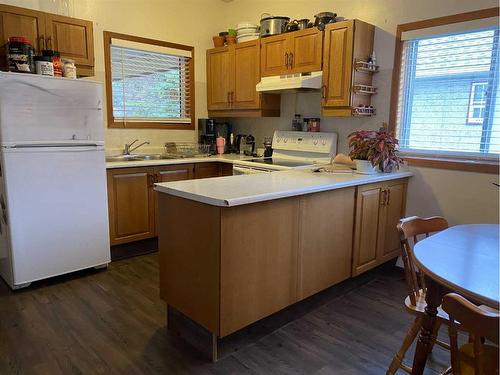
x=209, y=130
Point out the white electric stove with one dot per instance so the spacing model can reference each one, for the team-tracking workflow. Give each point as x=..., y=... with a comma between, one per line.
x=292, y=150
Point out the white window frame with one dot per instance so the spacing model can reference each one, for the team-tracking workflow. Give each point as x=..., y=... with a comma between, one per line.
x=474, y=104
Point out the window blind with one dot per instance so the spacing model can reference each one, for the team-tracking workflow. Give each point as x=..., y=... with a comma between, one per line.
x=150, y=86
x=448, y=96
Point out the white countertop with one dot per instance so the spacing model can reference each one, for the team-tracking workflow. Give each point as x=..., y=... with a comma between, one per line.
x=227, y=158
x=251, y=188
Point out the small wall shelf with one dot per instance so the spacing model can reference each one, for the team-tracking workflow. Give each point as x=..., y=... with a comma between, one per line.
x=364, y=66
x=363, y=111
x=364, y=89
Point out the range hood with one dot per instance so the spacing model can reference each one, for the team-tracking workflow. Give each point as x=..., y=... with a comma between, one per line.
x=291, y=82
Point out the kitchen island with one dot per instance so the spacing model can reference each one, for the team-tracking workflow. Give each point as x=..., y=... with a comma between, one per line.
x=236, y=249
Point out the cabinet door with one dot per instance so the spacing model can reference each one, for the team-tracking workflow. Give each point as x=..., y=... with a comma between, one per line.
x=337, y=64
x=392, y=212
x=131, y=204
x=21, y=22
x=72, y=37
x=325, y=239
x=366, y=229
x=206, y=170
x=306, y=47
x=246, y=75
x=220, y=74
x=274, y=55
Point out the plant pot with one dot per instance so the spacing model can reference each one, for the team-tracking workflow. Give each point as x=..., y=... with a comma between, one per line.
x=365, y=167
x=230, y=39
x=218, y=41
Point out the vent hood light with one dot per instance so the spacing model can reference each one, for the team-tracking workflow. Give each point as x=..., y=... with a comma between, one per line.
x=291, y=82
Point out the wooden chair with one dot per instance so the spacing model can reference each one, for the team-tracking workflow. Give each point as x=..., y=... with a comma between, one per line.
x=409, y=229
x=474, y=357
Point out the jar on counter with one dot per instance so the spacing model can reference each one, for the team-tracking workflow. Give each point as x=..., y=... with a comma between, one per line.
x=44, y=65
x=314, y=125
x=56, y=61
x=69, y=68
x=20, y=55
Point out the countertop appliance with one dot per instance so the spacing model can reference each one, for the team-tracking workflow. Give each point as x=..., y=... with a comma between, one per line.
x=272, y=25
x=292, y=150
x=53, y=196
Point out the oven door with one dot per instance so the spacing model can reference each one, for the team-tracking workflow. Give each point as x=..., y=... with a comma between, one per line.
x=243, y=169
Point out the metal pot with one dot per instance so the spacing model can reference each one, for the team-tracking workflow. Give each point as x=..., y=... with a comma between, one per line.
x=272, y=25
x=302, y=23
x=324, y=18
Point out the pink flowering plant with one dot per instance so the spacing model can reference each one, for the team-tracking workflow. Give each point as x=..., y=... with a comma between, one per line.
x=380, y=148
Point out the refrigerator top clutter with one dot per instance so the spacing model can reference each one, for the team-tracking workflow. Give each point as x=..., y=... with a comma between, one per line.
x=37, y=110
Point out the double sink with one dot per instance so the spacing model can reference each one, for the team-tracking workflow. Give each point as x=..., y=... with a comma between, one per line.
x=143, y=157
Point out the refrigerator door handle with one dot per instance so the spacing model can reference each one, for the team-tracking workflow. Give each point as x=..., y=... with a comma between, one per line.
x=35, y=145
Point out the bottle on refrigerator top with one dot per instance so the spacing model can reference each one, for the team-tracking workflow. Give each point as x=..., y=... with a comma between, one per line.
x=297, y=123
x=314, y=125
x=68, y=68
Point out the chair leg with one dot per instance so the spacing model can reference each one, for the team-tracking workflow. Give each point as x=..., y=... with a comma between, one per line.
x=435, y=335
x=408, y=340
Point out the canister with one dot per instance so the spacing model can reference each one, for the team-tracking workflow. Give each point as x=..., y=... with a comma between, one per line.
x=44, y=65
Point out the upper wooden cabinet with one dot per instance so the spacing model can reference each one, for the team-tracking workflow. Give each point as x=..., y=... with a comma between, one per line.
x=219, y=78
x=72, y=37
x=379, y=207
x=232, y=74
x=295, y=52
x=345, y=43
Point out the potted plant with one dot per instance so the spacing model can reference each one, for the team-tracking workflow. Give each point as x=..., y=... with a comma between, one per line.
x=374, y=150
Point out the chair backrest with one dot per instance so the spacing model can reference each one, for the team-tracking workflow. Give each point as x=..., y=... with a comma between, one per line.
x=478, y=322
x=410, y=229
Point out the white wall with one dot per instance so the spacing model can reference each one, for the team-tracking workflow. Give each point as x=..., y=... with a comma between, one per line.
x=191, y=22
x=462, y=197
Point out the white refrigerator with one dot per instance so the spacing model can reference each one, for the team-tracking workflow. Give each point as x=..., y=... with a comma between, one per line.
x=53, y=199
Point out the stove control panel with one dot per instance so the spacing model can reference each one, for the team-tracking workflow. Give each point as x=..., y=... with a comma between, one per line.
x=317, y=142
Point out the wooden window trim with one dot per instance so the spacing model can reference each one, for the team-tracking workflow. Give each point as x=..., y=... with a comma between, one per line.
x=433, y=162
x=108, y=36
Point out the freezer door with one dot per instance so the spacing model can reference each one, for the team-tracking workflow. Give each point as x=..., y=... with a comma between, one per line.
x=46, y=109
x=56, y=210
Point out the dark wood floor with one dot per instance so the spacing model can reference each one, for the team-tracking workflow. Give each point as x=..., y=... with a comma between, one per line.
x=113, y=322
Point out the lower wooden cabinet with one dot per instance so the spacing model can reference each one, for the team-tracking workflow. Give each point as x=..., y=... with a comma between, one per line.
x=132, y=200
x=130, y=204
x=378, y=210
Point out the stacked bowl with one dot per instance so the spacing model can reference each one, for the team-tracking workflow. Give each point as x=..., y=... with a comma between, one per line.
x=247, y=31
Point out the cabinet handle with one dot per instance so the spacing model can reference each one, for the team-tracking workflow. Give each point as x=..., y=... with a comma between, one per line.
x=49, y=42
x=323, y=92
x=291, y=60
x=286, y=59
x=151, y=180
x=228, y=97
x=388, y=202
x=232, y=97
x=41, y=43
x=384, y=197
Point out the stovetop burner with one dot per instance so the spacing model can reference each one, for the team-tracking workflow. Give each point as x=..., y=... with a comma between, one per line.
x=281, y=162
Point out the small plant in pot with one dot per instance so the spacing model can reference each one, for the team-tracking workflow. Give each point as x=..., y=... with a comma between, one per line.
x=374, y=151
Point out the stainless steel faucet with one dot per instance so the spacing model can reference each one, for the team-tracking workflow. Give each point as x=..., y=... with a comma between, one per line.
x=128, y=147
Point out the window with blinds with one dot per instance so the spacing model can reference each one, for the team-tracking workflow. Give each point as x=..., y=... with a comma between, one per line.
x=150, y=83
x=448, y=95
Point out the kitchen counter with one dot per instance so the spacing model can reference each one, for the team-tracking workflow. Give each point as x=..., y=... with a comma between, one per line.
x=229, y=158
x=244, y=189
